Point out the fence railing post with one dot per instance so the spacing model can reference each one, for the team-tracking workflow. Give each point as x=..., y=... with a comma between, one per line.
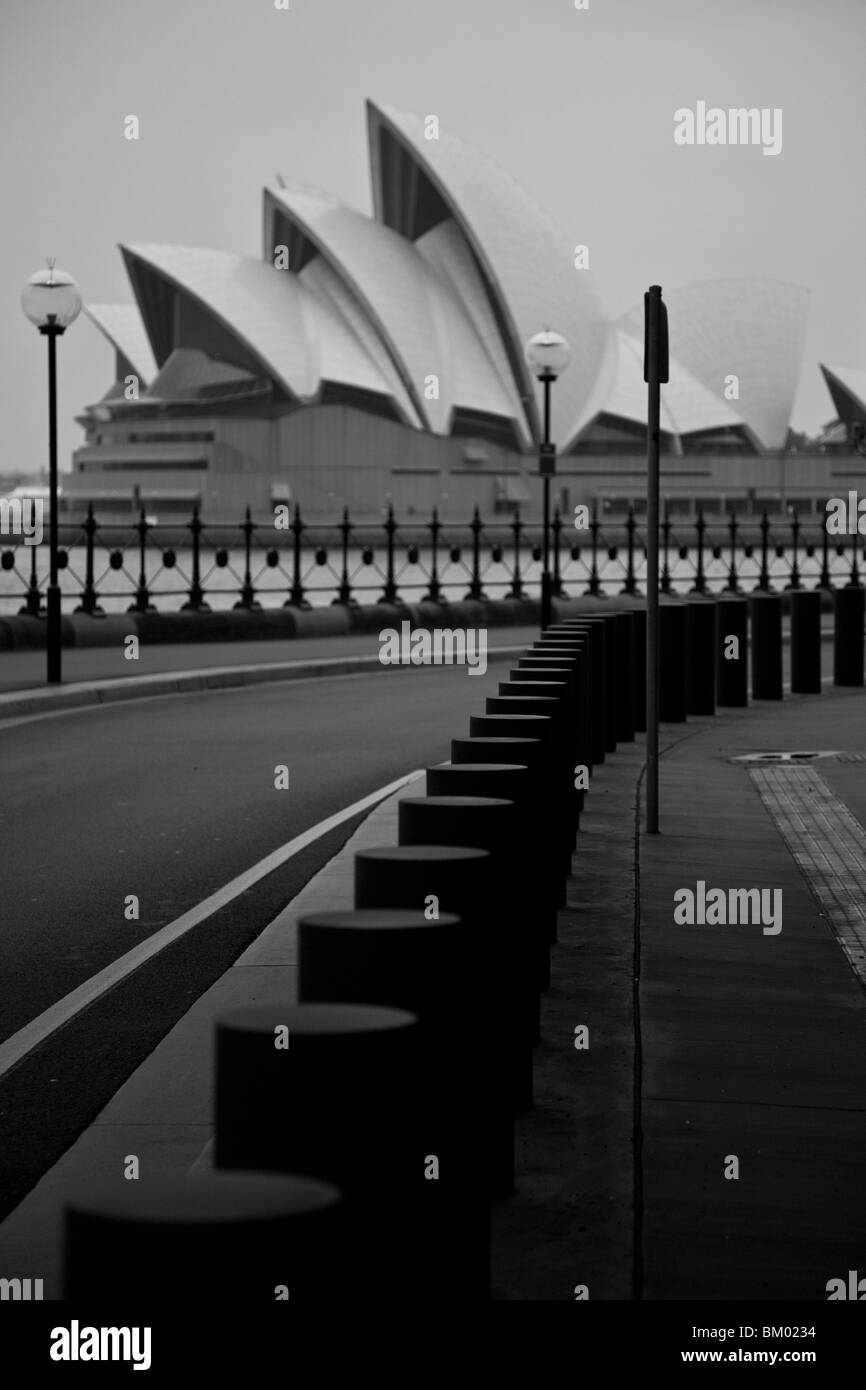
x=389, y=593
x=434, y=526
x=476, y=526
x=248, y=592
x=516, y=590
x=344, y=592
x=32, y=606
x=296, y=597
x=854, y=578
x=196, y=601
x=764, y=579
x=142, y=602
x=557, y=589
x=733, y=584
x=794, y=582
x=630, y=585
x=700, y=584
x=665, y=582
x=825, y=581
x=594, y=587
x=89, y=597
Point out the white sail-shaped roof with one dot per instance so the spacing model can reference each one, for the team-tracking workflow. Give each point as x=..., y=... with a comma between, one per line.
x=752, y=329
x=298, y=339
x=686, y=405
x=121, y=324
x=325, y=284
x=847, y=386
x=390, y=280
x=527, y=268
x=444, y=247
x=417, y=315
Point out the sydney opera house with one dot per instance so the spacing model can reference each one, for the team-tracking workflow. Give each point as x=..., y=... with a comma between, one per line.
x=375, y=360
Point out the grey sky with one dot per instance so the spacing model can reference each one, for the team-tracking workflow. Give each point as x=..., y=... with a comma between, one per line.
x=578, y=106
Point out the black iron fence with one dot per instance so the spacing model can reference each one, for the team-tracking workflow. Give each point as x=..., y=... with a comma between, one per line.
x=197, y=566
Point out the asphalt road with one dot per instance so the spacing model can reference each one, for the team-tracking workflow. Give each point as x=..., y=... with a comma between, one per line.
x=169, y=799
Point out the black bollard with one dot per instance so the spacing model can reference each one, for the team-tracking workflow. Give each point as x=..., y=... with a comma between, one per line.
x=848, y=635
x=452, y=878
x=577, y=668
x=511, y=968
x=526, y=752
x=732, y=651
x=392, y=957
x=543, y=675
x=294, y=1093
x=596, y=630
x=701, y=646
x=766, y=614
x=805, y=641
x=623, y=629
x=525, y=685
x=209, y=1239
x=562, y=733
x=548, y=887
x=404, y=959
x=606, y=624
x=513, y=783
x=673, y=662
x=562, y=691
x=556, y=785
x=639, y=668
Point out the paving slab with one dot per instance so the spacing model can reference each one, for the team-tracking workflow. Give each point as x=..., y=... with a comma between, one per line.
x=754, y=1045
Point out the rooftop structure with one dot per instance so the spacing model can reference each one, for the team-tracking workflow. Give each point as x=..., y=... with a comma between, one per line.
x=392, y=346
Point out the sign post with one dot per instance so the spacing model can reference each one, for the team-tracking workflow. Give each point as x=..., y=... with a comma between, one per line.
x=655, y=371
x=547, y=468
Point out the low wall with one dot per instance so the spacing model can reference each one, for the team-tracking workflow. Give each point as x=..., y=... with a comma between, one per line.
x=282, y=624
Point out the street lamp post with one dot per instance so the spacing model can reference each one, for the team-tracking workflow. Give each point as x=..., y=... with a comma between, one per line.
x=51, y=300
x=547, y=355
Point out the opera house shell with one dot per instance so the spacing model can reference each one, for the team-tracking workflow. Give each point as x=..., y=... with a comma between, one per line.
x=368, y=360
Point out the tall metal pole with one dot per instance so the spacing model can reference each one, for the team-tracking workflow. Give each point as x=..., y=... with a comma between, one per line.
x=655, y=371
x=546, y=614
x=52, y=597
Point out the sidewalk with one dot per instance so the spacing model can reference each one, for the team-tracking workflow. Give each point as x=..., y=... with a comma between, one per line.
x=742, y=1044
x=736, y=1044
x=754, y=1045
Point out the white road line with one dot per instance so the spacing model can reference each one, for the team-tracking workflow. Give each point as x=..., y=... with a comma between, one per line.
x=32, y=1034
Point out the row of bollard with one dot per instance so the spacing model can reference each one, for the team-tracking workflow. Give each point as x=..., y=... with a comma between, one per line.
x=704, y=649
x=363, y=1132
